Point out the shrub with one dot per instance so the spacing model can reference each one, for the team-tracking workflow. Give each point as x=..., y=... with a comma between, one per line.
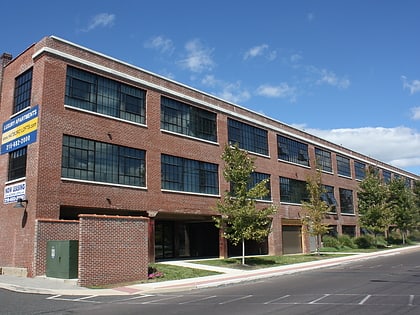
x=346, y=241
x=365, y=241
x=330, y=241
x=414, y=236
x=380, y=241
x=395, y=238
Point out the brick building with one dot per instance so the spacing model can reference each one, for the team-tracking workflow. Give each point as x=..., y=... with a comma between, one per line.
x=88, y=138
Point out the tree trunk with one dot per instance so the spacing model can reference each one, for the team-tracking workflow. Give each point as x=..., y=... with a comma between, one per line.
x=318, y=244
x=243, y=251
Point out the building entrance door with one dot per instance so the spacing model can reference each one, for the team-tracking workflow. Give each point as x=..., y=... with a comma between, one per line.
x=292, y=239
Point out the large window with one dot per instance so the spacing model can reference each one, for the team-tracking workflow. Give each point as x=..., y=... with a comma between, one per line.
x=94, y=93
x=248, y=137
x=386, y=175
x=328, y=197
x=180, y=174
x=258, y=177
x=292, y=151
x=343, y=166
x=323, y=160
x=102, y=162
x=17, y=164
x=293, y=191
x=22, y=94
x=346, y=201
x=359, y=170
x=187, y=120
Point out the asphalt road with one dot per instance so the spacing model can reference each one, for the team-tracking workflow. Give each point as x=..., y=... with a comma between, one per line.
x=383, y=285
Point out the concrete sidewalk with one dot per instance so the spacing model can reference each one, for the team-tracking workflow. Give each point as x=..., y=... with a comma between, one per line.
x=44, y=285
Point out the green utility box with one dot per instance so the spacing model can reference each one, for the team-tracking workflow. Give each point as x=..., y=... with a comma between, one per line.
x=62, y=259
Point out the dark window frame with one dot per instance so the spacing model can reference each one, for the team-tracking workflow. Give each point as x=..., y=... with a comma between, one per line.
x=323, y=160
x=359, y=170
x=248, y=137
x=257, y=177
x=343, y=166
x=346, y=201
x=188, y=120
x=328, y=197
x=22, y=91
x=293, y=190
x=186, y=175
x=98, y=94
x=17, y=164
x=293, y=151
x=386, y=175
x=90, y=160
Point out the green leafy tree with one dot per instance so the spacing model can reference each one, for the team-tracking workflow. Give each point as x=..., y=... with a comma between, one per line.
x=402, y=205
x=239, y=217
x=416, y=192
x=315, y=209
x=374, y=212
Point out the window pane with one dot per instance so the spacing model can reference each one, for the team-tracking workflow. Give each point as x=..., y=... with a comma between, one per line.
x=22, y=93
x=17, y=164
x=359, y=170
x=102, y=95
x=258, y=177
x=293, y=191
x=182, y=174
x=343, y=166
x=248, y=137
x=188, y=120
x=102, y=162
x=323, y=160
x=346, y=201
x=292, y=151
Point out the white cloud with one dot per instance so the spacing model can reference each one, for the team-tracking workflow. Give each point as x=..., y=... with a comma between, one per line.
x=295, y=58
x=198, y=57
x=283, y=90
x=413, y=86
x=255, y=51
x=164, y=45
x=399, y=146
x=415, y=111
x=261, y=50
x=330, y=78
x=100, y=20
x=232, y=92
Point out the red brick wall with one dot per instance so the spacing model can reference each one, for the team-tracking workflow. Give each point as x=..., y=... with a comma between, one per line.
x=51, y=230
x=112, y=249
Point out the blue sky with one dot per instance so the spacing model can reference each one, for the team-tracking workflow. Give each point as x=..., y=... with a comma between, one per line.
x=347, y=71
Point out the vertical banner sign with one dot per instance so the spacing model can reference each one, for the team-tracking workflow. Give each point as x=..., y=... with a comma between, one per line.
x=19, y=131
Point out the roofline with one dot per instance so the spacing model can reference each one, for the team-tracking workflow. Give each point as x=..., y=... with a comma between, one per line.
x=361, y=158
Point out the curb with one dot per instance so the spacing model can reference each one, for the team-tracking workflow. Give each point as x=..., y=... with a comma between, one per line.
x=233, y=277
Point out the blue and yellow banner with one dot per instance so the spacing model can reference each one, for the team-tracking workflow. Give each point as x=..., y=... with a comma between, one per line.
x=20, y=131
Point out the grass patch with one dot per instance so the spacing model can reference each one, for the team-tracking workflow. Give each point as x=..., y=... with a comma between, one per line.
x=171, y=272
x=265, y=261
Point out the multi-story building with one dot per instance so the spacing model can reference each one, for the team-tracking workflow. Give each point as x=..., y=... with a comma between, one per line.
x=86, y=134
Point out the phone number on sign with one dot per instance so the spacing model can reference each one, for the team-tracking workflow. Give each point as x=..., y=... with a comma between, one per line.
x=18, y=142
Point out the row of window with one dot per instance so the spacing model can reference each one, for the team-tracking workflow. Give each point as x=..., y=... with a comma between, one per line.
x=92, y=92
x=295, y=191
x=90, y=160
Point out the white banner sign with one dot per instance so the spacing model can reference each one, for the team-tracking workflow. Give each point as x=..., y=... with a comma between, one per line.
x=13, y=192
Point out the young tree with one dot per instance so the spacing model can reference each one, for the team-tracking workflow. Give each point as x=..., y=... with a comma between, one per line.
x=315, y=209
x=402, y=205
x=239, y=217
x=374, y=212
